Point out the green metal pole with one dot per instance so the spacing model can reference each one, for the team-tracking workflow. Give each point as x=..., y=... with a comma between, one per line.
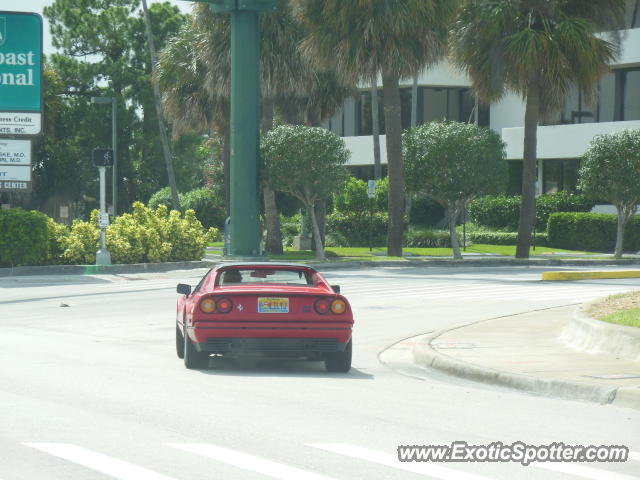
x=245, y=92
x=114, y=143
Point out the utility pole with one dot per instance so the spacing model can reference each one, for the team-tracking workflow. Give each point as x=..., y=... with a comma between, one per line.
x=175, y=198
x=245, y=96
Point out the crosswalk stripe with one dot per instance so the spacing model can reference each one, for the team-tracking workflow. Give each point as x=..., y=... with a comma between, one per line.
x=426, y=469
x=582, y=471
x=97, y=461
x=248, y=462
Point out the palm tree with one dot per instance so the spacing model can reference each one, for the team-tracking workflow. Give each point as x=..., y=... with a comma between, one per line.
x=362, y=39
x=539, y=50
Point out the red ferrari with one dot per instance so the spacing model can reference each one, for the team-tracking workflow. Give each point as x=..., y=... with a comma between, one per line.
x=264, y=309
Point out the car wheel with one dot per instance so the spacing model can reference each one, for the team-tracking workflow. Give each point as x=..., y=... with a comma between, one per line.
x=339, y=362
x=179, y=342
x=194, y=359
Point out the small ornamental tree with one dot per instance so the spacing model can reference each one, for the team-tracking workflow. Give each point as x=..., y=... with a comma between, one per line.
x=307, y=162
x=610, y=171
x=453, y=163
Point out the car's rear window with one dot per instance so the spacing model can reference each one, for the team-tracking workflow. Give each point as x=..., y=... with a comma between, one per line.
x=239, y=276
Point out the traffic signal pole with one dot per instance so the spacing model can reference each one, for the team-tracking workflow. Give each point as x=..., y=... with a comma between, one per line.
x=244, y=202
x=245, y=96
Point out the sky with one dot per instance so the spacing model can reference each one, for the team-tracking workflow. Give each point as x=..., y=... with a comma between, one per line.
x=37, y=6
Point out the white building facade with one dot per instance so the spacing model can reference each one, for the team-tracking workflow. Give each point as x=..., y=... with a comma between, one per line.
x=444, y=93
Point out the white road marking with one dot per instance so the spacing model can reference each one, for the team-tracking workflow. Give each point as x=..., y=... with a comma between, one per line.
x=582, y=471
x=248, y=462
x=97, y=461
x=426, y=469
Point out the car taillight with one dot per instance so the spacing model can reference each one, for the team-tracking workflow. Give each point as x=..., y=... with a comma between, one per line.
x=224, y=305
x=338, y=306
x=322, y=306
x=208, y=305
x=326, y=305
x=213, y=305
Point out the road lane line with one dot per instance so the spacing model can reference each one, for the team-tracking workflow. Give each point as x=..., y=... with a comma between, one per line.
x=582, y=471
x=97, y=461
x=248, y=462
x=373, y=456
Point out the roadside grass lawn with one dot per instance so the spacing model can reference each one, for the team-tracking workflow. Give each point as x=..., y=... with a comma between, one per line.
x=628, y=318
x=621, y=309
x=379, y=253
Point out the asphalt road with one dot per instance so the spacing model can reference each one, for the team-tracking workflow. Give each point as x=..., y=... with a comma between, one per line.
x=91, y=388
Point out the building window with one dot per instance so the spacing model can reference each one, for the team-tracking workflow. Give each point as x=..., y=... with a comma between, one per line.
x=560, y=175
x=617, y=100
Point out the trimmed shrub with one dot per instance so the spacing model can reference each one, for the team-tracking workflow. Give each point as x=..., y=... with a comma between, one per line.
x=290, y=227
x=353, y=228
x=427, y=239
x=354, y=199
x=24, y=237
x=208, y=206
x=502, y=211
x=57, y=233
x=590, y=231
x=503, y=238
x=82, y=242
x=163, y=197
x=426, y=212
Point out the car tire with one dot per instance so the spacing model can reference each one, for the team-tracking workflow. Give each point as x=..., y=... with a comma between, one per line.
x=179, y=342
x=339, y=362
x=194, y=359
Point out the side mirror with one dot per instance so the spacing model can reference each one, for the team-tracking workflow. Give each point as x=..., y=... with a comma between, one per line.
x=183, y=289
x=336, y=288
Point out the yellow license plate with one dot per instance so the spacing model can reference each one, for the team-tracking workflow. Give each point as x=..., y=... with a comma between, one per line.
x=273, y=305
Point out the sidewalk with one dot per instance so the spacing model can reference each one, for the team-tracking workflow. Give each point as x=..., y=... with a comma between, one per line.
x=524, y=352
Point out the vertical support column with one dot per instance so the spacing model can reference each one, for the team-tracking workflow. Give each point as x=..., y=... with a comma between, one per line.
x=103, y=257
x=245, y=92
x=114, y=143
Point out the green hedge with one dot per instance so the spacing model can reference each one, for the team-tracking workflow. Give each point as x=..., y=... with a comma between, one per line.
x=591, y=231
x=352, y=229
x=24, y=238
x=207, y=204
x=428, y=239
x=502, y=211
x=503, y=238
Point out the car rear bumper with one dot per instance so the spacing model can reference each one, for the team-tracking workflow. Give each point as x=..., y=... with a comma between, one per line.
x=270, y=346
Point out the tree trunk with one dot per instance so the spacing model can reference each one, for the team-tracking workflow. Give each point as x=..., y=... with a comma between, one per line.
x=175, y=198
x=393, y=124
x=320, y=208
x=529, y=160
x=375, y=129
x=271, y=214
x=226, y=168
x=317, y=239
x=624, y=214
x=454, y=211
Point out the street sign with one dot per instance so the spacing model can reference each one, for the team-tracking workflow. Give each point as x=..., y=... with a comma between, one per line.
x=15, y=152
x=21, y=173
x=371, y=190
x=103, y=220
x=102, y=157
x=15, y=186
x=20, y=73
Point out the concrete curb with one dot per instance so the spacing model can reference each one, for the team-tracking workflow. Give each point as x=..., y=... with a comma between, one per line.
x=103, y=269
x=590, y=275
x=424, y=354
x=325, y=265
x=587, y=333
